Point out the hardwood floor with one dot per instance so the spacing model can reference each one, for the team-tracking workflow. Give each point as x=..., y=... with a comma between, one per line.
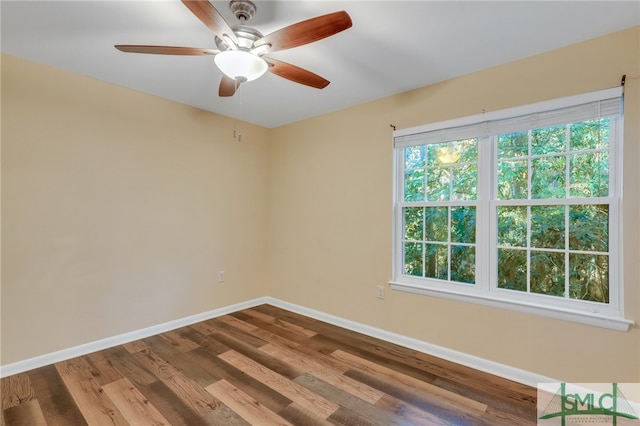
x=262, y=366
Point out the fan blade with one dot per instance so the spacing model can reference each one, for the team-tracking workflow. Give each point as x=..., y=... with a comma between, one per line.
x=209, y=16
x=166, y=50
x=296, y=74
x=228, y=86
x=308, y=31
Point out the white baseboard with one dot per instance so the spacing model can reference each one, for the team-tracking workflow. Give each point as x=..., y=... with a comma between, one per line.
x=109, y=342
x=491, y=367
x=481, y=364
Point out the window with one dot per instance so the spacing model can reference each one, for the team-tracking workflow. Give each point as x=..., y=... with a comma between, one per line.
x=440, y=186
x=517, y=209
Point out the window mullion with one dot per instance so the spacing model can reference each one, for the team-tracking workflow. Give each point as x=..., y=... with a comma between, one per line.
x=485, y=227
x=529, y=249
x=449, y=248
x=566, y=252
x=567, y=192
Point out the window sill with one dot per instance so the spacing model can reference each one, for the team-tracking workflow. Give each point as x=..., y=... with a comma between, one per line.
x=588, y=318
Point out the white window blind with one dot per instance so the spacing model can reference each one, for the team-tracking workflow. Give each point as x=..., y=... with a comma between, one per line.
x=603, y=103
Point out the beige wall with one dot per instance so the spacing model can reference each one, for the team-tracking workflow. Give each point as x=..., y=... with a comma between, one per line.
x=330, y=216
x=118, y=209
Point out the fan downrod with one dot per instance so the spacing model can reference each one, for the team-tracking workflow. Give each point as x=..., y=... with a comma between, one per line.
x=242, y=9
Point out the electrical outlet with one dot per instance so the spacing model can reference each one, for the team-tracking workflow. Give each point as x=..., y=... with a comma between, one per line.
x=221, y=276
x=380, y=292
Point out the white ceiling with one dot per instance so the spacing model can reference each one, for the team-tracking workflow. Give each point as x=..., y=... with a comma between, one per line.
x=393, y=46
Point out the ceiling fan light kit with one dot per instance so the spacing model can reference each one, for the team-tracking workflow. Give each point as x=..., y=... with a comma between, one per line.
x=241, y=65
x=242, y=50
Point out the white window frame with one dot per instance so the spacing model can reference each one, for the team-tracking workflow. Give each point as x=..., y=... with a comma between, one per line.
x=486, y=126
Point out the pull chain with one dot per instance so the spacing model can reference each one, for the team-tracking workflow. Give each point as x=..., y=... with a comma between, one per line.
x=237, y=129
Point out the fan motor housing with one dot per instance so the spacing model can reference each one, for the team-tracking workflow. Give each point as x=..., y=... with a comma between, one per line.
x=246, y=37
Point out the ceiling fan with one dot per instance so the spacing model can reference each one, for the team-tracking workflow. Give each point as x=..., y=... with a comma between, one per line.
x=241, y=50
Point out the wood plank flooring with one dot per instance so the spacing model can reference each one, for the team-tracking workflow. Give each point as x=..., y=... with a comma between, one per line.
x=262, y=366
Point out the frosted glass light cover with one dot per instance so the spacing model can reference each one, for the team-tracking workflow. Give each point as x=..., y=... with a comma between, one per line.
x=240, y=64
